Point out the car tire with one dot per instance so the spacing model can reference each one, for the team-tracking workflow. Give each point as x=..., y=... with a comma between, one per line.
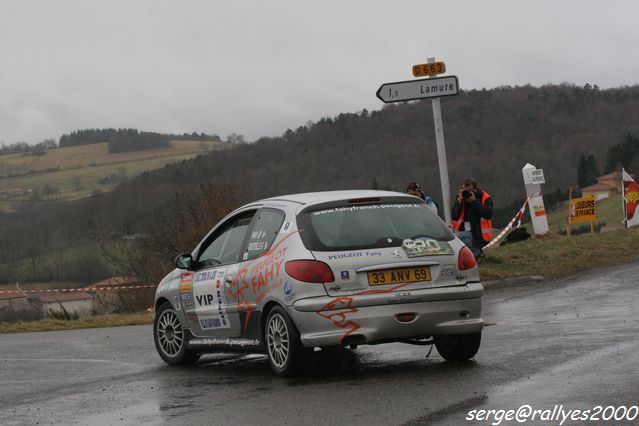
x=286, y=355
x=459, y=347
x=171, y=338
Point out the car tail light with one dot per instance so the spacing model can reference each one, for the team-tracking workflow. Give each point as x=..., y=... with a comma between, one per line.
x=309, y=271
x=466, y=259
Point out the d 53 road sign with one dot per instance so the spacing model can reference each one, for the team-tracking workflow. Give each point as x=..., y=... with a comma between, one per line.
x=418, y=89
x=432, y=68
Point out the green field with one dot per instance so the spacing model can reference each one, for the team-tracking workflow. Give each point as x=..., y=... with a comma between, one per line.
x=82, y=172
x=552, y=257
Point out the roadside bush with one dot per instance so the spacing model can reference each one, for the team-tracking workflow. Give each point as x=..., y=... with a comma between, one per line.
x=175, y=228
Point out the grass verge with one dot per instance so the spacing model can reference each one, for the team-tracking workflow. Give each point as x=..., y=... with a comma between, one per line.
x=86, y=322
x=551, y=256
x=559, y=256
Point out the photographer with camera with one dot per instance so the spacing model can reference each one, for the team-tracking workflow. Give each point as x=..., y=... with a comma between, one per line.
x=471, y=214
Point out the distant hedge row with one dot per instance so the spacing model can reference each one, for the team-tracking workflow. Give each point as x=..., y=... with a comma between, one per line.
x=123, y=140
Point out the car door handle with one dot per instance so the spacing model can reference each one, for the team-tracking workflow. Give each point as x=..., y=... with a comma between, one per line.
x=228, y=280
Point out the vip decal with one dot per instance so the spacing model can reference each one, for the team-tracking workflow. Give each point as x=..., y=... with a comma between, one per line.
x=210, y=300
x=204, y=299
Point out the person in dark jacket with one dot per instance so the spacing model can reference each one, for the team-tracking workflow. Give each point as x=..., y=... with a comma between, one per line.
x=472, y=214
x=414, y=189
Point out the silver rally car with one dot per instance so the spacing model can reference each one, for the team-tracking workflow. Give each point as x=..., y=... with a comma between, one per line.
x=285, y=275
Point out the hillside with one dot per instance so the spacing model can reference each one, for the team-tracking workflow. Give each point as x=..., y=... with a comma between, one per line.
x=78, y=171
x=490, y=134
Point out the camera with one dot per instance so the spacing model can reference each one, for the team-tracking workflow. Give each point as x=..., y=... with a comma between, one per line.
x=466, y=193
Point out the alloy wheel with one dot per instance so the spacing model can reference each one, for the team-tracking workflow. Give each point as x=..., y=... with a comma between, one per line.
x=277, y=339
x=170, y=333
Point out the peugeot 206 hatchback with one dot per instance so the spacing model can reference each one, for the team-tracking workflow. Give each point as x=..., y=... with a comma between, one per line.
x=285, y=275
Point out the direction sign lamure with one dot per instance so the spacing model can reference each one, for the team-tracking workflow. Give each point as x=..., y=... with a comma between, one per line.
x=418, y=89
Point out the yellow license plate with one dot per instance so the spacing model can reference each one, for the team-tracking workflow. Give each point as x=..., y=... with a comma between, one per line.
x=399, y=276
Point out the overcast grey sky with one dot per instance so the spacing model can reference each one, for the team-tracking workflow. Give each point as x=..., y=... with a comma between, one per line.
x=260, y=67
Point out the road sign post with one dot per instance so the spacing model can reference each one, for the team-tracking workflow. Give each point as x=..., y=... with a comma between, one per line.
x=435, y=88
x=412, y=90
x=441, y=155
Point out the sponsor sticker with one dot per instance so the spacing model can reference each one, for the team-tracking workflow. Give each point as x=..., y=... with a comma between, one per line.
x=187, y=283
x=425, y=247
x=288, y=288
x=210, y=322
x=355, y=255
x=209, y=298
x=258, y=246
x=449, y=271
x=257, y=235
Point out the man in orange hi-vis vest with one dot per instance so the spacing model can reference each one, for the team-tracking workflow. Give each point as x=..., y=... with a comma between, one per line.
x=472, y=214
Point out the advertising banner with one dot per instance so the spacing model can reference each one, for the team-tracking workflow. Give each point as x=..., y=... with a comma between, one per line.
x=630, y=199
x=582, y=210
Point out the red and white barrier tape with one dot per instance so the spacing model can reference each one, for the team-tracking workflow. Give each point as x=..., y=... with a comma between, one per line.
x=70, y=290
x=518, y=217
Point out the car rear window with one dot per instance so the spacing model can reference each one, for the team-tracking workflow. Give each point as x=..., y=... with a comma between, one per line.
x=369, y=226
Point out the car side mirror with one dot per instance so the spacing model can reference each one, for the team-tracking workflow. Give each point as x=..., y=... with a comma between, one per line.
x=184, y=261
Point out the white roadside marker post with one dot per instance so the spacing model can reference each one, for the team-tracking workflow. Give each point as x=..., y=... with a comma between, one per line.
x=533, y=177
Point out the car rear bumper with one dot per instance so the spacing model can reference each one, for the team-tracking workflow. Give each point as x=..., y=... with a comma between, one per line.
x=372, y=318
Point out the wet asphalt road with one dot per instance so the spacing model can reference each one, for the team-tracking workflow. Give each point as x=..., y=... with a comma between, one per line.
x=571, y=342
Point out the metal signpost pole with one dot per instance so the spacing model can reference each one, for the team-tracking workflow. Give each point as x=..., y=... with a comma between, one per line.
x=441, y=156
x=431, y=87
